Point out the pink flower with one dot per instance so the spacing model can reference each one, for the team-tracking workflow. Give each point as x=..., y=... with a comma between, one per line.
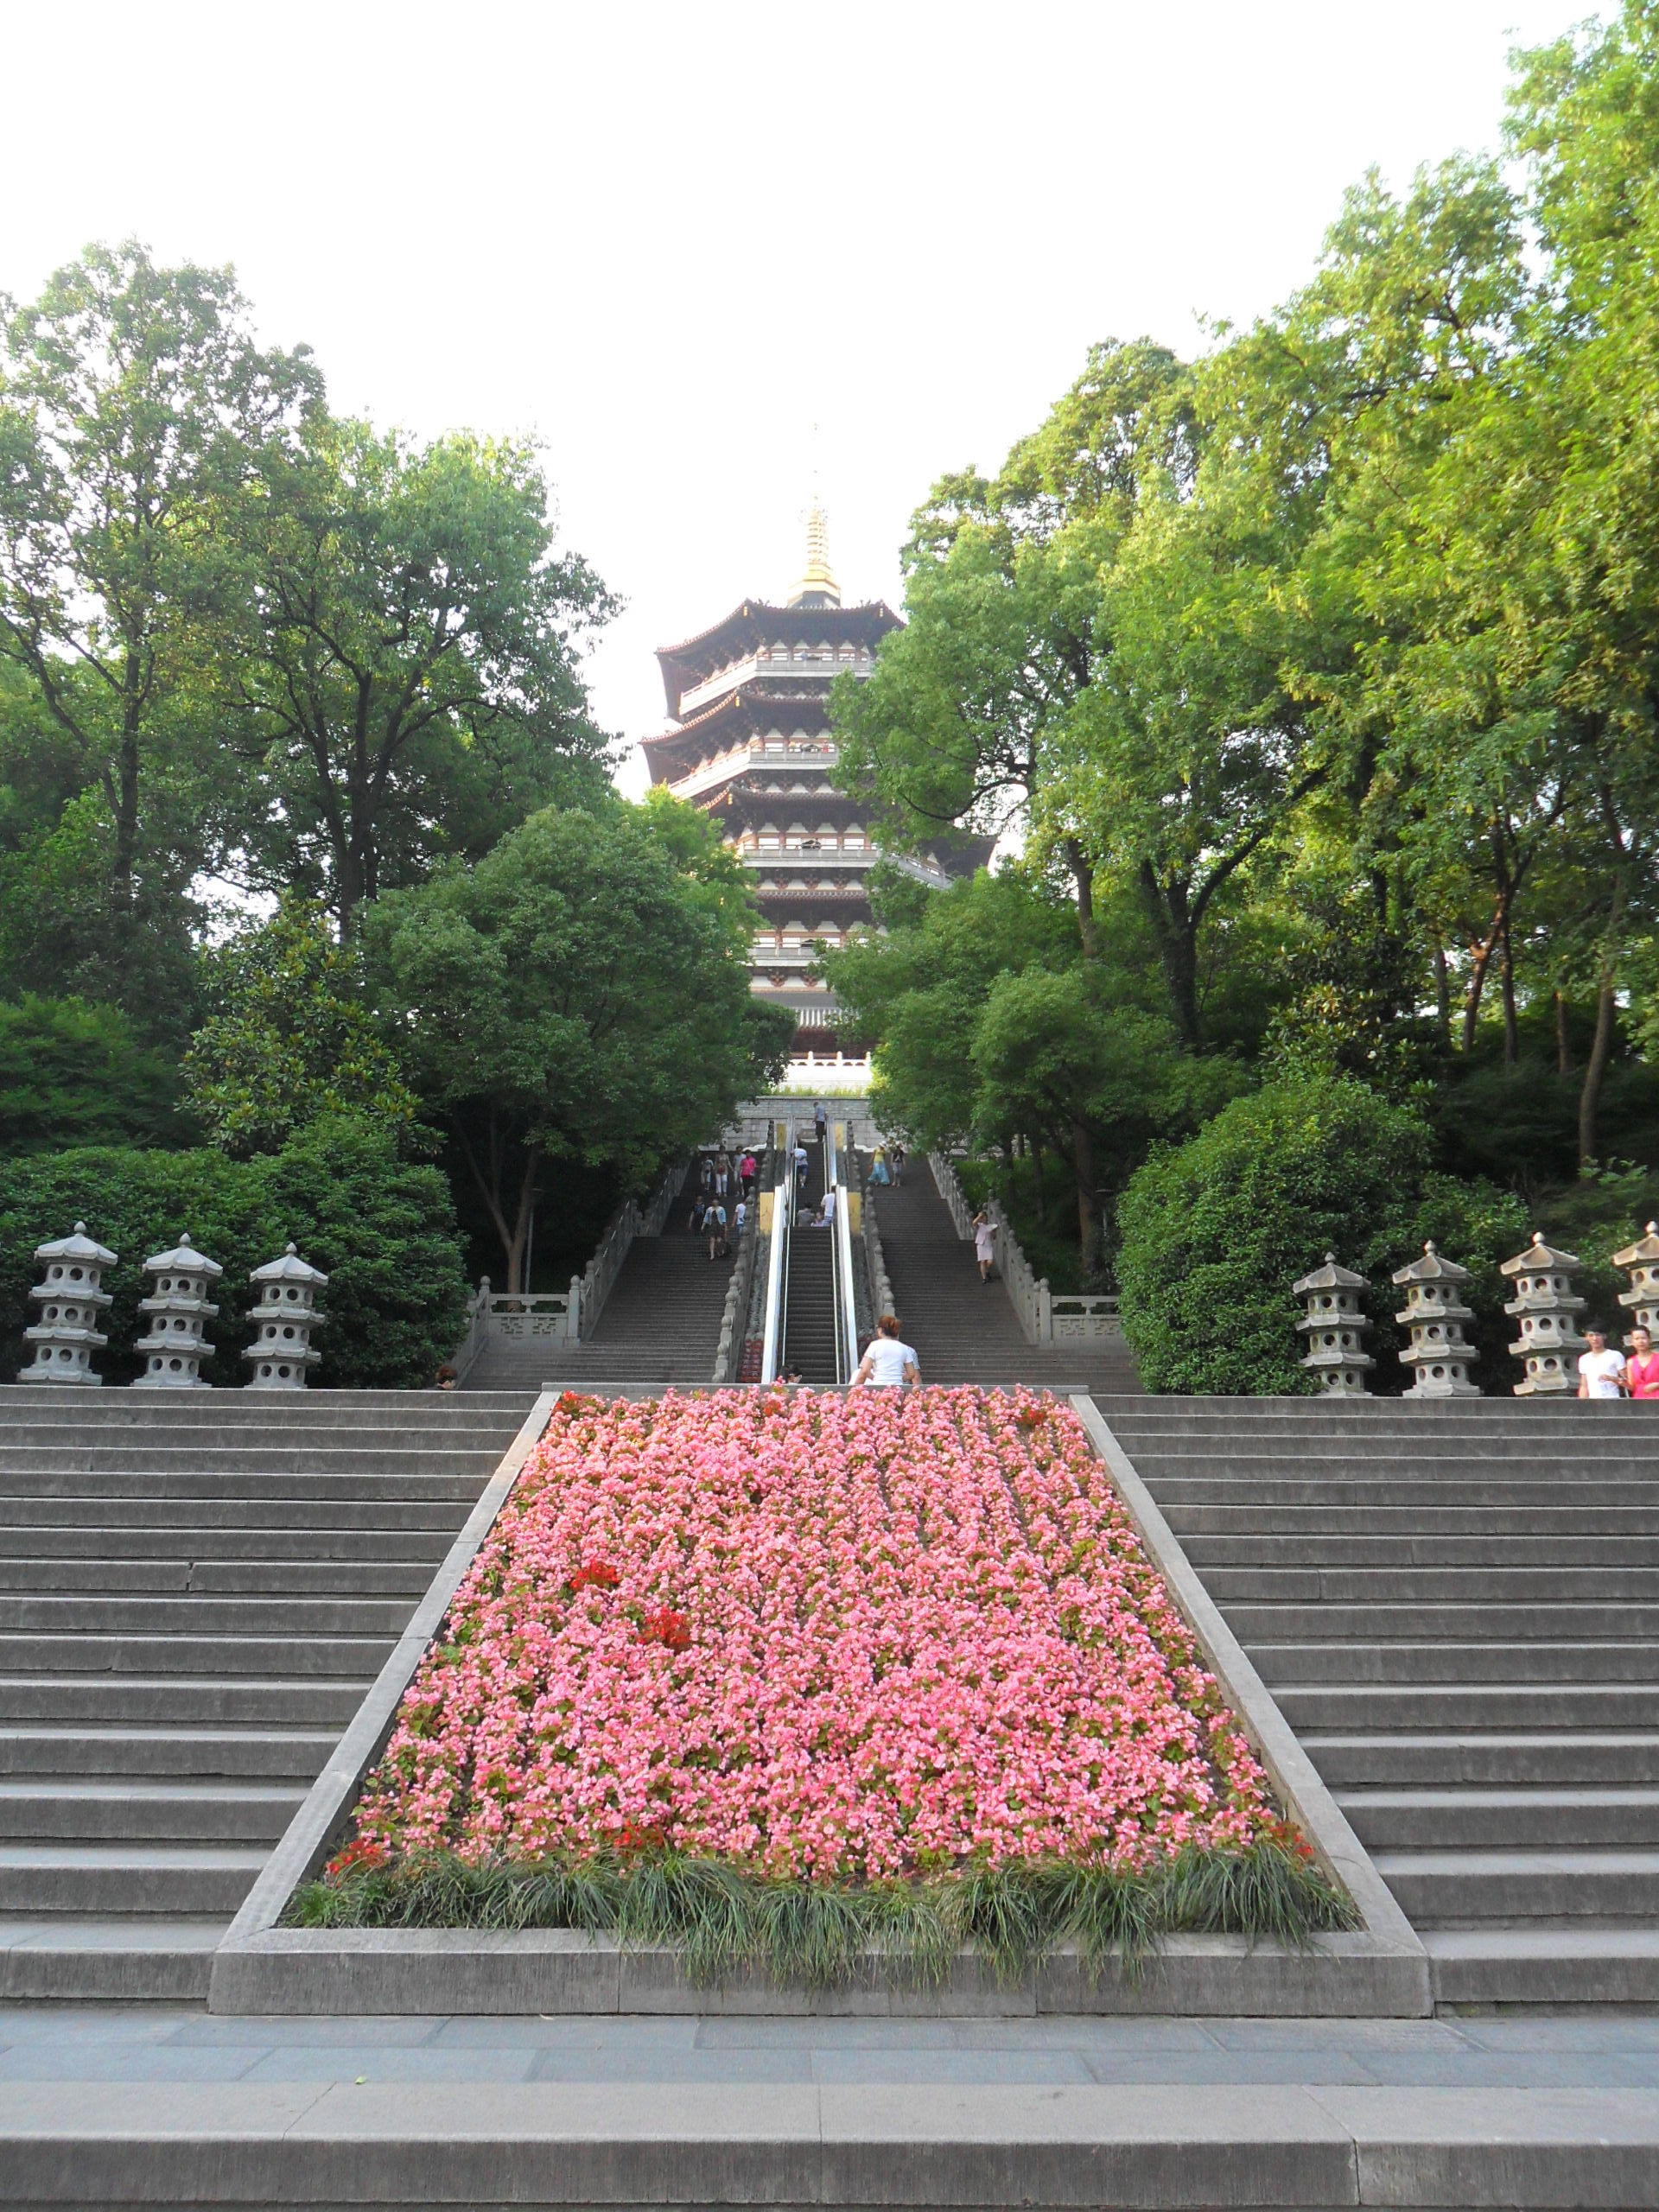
x=850, y=1636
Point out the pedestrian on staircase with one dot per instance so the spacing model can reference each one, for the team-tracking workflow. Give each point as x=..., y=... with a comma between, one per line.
x=714, y=1222
x=889, y=1363
x=984, y=1245
x=748, y=1169
x=1601, y=1371
x=820, y=1122
x=802, y=1162
x=896, y=1165
x=1642, y=1368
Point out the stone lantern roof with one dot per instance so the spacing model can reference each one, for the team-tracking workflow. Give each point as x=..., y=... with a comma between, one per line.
x=184, y=1259
x=1539, y=1258
x=80, y=1247
x=1645, y=1251
x=1432, y=1269
x=1330, y=1277
x=290, y=1268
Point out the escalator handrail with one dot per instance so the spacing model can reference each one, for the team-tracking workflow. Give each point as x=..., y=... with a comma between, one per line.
x=842, y=1228
x=782, y=1212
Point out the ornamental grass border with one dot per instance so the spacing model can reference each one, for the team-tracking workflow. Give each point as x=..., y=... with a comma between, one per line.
x=722, y=1919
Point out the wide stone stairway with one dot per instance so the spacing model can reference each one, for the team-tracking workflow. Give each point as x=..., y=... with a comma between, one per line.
x=965, y=1330
x=196, y=1589
x=1458, y=1610
x=660, y=1324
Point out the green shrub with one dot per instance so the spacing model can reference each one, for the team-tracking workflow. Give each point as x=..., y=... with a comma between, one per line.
x=1214, y=1232
x=381, y=1229
x=74, y=1073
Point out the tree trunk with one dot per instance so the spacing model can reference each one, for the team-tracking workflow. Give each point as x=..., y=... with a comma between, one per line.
x=1442, y=991
x=126, y=857
x=1589, y=1095
x=1178, y=948
x=1082, y=1155
x=1563, y=1048
x=1506, y=976
x=515, y=1243
x=1083, y=875
x=1035, y=1150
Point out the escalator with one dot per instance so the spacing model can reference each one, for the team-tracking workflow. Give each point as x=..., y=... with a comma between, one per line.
x=810, y=1334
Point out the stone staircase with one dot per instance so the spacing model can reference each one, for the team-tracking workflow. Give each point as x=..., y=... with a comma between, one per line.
x=1457, y=1610
x=660, y=1324
x=195, y=1590
x=965, y=1330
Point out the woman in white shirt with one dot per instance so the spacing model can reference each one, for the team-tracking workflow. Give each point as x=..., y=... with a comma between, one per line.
x=888, y=1363
x=1601, y=1371
x=984, y=1245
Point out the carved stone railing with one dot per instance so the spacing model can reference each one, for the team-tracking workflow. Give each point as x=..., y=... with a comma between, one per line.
x=1045, y=1318
x=734, y=1321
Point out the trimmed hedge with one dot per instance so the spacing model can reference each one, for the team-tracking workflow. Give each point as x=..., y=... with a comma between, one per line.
x=381, y=1227
x=1214, y=1232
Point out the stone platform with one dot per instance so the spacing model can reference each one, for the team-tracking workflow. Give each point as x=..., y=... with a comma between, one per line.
x=154, y=2106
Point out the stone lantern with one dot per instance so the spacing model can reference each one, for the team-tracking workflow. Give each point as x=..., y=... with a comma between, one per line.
x=178, y=1311
x=1544, y=1304
x=284, y=1319
x=1437, y=1355
x=1333, y=1327
x=67, y=1335
x=1641, y=1258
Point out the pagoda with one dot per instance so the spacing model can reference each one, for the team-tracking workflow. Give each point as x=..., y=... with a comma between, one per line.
x=749, y=741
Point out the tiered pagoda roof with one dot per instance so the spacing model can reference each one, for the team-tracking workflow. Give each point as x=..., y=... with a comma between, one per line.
x=757, y=623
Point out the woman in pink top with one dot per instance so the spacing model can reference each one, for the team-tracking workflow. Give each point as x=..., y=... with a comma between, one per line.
x=1642, y=1368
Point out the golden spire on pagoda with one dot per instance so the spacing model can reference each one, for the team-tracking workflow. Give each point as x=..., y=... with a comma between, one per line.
x=818, y=586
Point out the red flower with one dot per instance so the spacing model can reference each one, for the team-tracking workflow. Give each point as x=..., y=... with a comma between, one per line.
x=572, y=1401
x=643, y=1836
x=595, y=1574
x=666, y=1627
x=361, y=1851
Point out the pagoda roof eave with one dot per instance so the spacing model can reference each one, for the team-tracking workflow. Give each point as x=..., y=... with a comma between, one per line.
x=683, y=665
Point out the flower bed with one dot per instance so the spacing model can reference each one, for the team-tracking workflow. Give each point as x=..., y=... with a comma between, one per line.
x=900, y=1649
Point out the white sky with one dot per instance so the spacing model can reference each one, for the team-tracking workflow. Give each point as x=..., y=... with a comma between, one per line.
x=668, y=239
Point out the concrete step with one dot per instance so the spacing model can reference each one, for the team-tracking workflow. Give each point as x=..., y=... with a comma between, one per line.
x=361, y=1657
x=1415, y=1585
x=211, y=1577
x=72, y=1958
x=62, y=1613
x=1521, y=1706
x=1469, y=1819
x=265, y=1754
x=1542, y=1522
x=1545, y=1963
x=129, y=1472
x=1613, y=1758
x=1435, y=1887
x=1499, y=1664
x=1274, y=1550
x=272, y=1510
x=190, y=1811
x=20, y=1544
x=210, y=1699
x=198, y=1880
x=1268, y=1494
x=1584, y=1621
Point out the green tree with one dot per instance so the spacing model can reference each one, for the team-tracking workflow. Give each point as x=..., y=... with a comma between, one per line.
x=135, y=407
x=76, y=1074
x=577, y=998
x=289, y=1041
x=409, y=686
x=1213, y=1232
x=381, y=1227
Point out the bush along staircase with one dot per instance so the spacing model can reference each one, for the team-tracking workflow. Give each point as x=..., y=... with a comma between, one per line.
x=196, y=1589
x=1457, y=1607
